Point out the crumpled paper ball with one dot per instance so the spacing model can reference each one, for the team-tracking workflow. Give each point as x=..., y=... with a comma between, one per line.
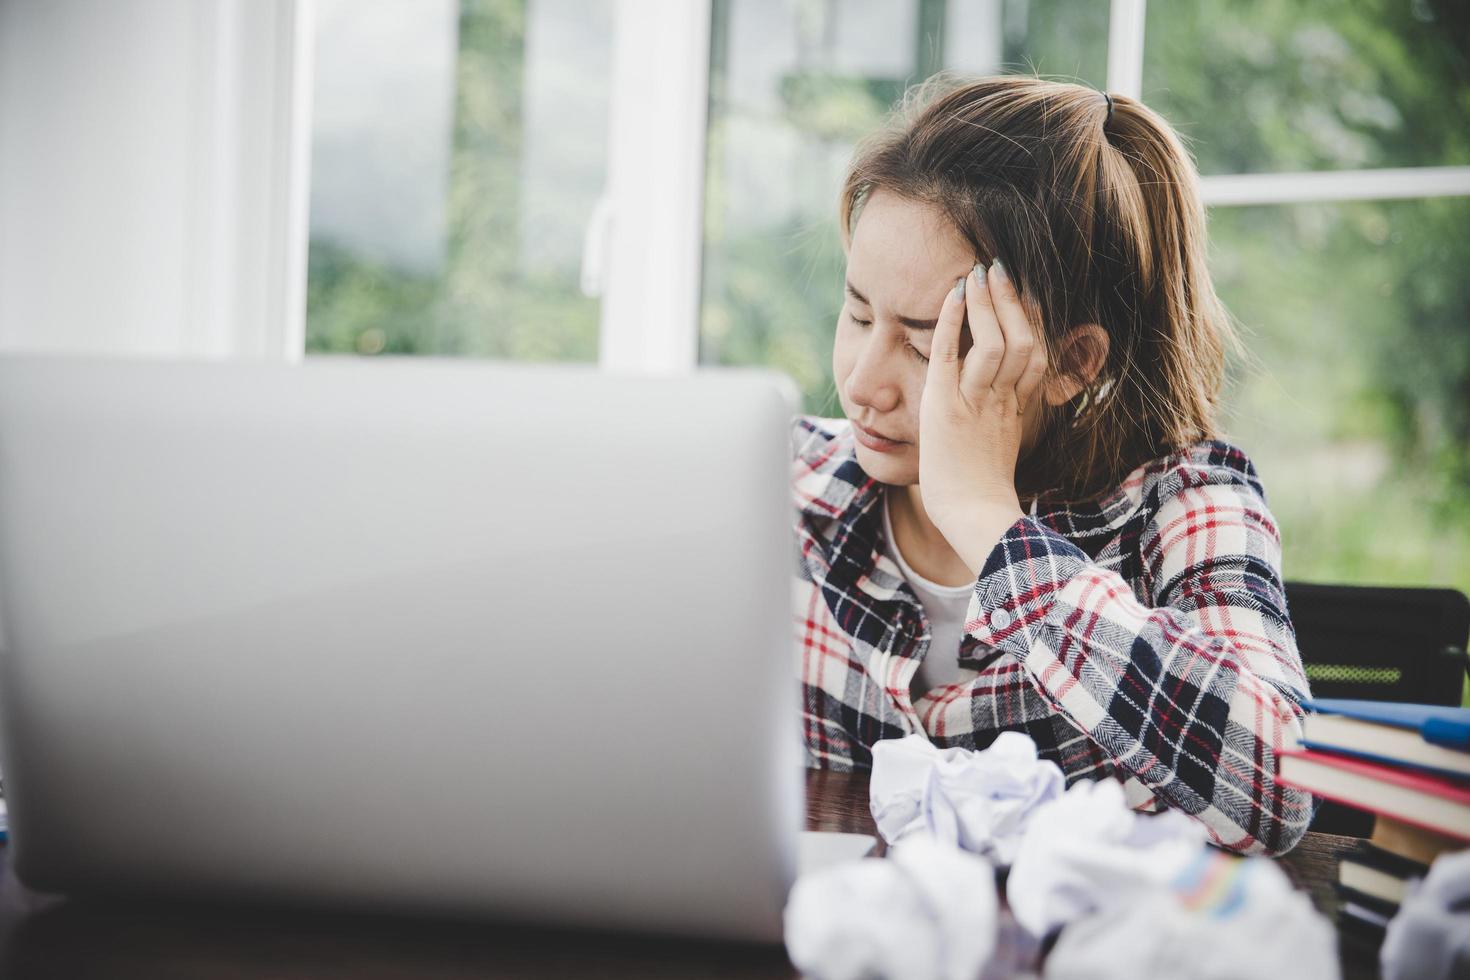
x=1221, y=917
x=980, y=801
x=1088, y=851
x=1131, y=894
x=927, y=911
x=1429, y=938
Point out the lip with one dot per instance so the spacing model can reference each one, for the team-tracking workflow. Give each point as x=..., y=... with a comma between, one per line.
x=874, y=441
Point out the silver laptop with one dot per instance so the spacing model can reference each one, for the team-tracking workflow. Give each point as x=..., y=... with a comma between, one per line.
x=433, y=636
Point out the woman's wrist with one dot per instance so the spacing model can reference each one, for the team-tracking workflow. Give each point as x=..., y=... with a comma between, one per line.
x=975, y=535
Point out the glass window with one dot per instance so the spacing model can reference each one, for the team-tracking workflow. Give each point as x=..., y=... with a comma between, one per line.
x=793, y=85
x=1354, y=397
x=458, y=150
x=1263, y=87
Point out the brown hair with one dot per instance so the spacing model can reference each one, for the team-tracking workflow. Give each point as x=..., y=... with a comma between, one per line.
x=1095, y=210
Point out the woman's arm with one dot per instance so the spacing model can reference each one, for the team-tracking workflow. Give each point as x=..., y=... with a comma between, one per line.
x=1192, y=693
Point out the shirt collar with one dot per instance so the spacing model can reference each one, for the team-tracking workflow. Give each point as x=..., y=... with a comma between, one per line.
x=828, y=481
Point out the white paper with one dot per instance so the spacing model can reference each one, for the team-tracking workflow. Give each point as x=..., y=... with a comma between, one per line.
x=926, y=912
x=1132, y=894
x=1226, y=918
x=1088, y=850
x=978, y=801
x=1430, y=936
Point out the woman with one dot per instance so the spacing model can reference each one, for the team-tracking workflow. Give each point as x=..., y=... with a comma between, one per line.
x=1030, y=522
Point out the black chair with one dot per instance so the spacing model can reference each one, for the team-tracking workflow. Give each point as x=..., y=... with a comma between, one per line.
x=1379, y=644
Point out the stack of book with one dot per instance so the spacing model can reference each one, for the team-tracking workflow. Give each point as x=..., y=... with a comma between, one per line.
x=1407, y=763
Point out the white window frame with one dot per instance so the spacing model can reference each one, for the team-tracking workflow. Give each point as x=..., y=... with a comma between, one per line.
x=1226, y=190
x=1125, y=77
x=250, y=193
x=1125, y=47
x=644, y=244
x=651, y=223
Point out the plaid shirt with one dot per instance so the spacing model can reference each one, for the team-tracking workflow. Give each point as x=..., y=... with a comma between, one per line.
x=1144, y=636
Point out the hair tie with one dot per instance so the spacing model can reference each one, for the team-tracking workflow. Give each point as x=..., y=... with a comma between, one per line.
x=1108, y=121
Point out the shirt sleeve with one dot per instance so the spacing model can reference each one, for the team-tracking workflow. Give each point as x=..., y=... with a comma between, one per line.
x=1192, y=692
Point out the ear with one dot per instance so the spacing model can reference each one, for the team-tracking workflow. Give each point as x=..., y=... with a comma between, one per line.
x=1080, y=356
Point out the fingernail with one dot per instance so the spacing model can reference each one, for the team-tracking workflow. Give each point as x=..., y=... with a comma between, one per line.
x=999, y=269
x=979, y=271
x=959, y=287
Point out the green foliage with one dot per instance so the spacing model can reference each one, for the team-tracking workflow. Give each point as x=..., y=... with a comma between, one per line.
x=483, y=303
x=355, y=305
x=1278, y=85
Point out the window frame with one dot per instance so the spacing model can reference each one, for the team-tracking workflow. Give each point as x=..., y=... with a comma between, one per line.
x=249, y=193
x=648, y=272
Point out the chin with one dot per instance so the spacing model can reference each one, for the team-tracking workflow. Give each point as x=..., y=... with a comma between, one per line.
x=895, y=469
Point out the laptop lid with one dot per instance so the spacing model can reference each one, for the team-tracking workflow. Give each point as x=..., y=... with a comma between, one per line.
x=442, y=636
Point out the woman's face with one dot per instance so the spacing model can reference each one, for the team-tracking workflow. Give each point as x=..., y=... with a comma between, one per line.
x=902, y=259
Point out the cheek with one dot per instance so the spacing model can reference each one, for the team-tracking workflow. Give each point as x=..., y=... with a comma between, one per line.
x=913, y=391
x=843, y=352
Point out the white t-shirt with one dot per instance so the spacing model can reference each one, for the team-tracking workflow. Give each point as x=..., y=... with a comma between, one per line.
x=944, y=606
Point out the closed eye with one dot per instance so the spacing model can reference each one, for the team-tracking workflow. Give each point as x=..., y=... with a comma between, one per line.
x=911, y=348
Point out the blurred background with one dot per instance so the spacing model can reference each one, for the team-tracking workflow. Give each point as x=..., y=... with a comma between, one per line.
x=448, y=209
x=650, y=184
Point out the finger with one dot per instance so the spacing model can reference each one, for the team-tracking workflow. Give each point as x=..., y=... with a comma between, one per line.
x=1015, y=325
x=944, y=349
x=989, y=348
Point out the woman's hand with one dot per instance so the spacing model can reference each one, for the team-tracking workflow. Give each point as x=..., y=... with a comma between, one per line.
x=970, y=419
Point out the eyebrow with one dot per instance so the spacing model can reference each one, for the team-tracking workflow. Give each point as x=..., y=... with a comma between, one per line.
x=913, y=323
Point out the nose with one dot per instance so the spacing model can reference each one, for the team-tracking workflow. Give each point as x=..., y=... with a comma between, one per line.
x=872, y=383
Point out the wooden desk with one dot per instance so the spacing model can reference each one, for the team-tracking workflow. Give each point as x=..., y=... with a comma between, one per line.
x=74, y=939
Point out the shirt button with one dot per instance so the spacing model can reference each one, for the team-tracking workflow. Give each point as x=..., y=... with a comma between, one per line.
x=1000, y=619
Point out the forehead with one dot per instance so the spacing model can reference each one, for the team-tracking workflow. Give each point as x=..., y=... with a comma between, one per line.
x=904, y=254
